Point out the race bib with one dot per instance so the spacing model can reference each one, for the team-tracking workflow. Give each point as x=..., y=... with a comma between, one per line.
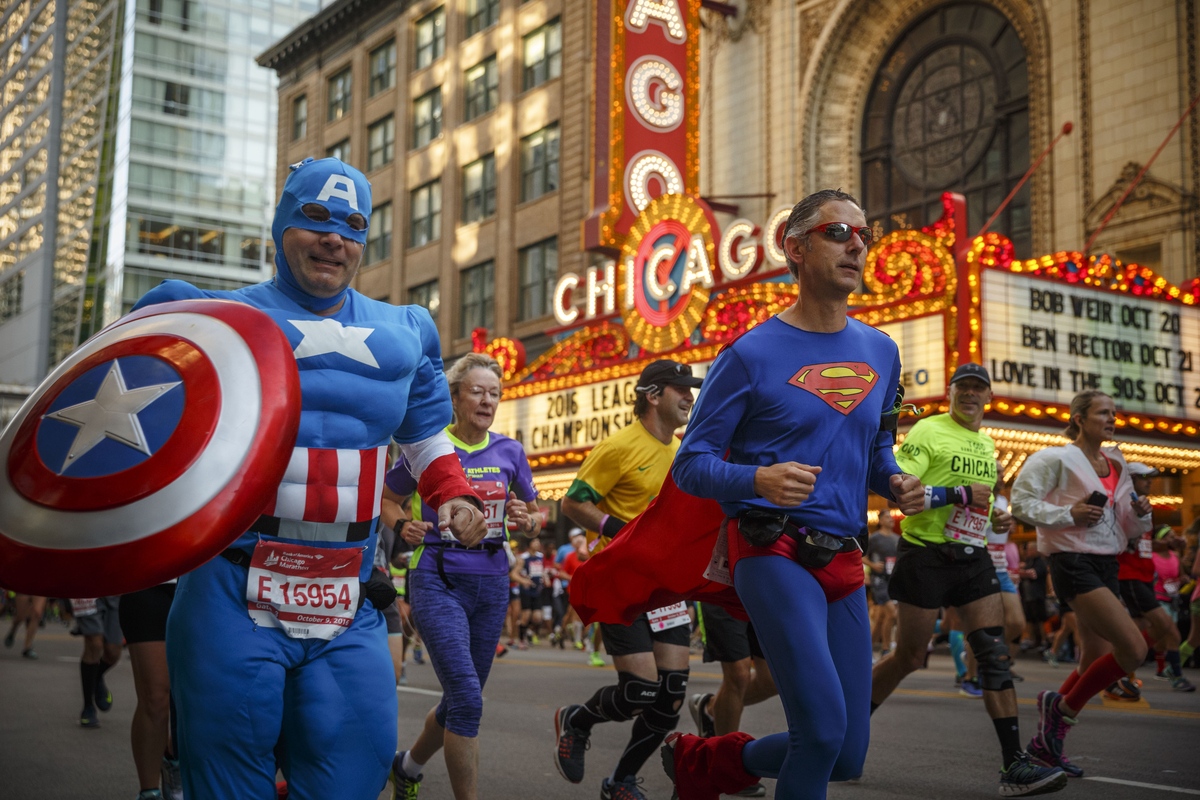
x=1145, y=547
x=84, y=606
x=967, y=526
x=1171, y=588
x=889, y=564
x=307, y=592
x=668, y=617
x=999, y=560
x=494, y=496
x=399, y=581
x=536, y=568
x=717, y=570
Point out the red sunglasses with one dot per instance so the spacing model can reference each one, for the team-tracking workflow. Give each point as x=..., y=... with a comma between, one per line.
x=840, y=232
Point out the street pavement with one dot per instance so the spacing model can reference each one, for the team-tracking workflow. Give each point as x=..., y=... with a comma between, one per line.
x=927, y=742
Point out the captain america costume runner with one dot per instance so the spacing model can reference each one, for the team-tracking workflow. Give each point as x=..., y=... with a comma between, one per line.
x=761, y=409
x=275, y=659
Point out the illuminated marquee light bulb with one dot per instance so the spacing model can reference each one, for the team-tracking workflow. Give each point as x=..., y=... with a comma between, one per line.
x=641, y=168
x=744, y=234
x=665, y=13
x=659, y=291
x=606, y=288
x=772, y=242
x=563, y=313
x=652, y=90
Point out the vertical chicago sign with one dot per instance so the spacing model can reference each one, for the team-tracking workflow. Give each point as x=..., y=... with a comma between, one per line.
x=646, y=116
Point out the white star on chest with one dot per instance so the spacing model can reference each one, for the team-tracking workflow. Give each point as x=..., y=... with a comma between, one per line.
x=330, y=336
x=111, y=414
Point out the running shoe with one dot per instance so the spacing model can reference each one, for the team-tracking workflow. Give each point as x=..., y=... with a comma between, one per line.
x=501, y=650
x=1123, y=690
x=1163, y=675
x=8, y=640
x=757, y=790
x=1049, y=657
x=970, y=688
x=1046, y=746
x=418, y=654
x=104, y=698
x=172, y=781
x=29, y=653
x=579, y=645
x=1023, y=778
x=88, y=718
x=150, y=794
x=595, y=660
x=403, y=787
x=705, y=725
x=1016, y=678
x=1182, y=684
x=621, y=790
x=403, y=679
x=570, y=744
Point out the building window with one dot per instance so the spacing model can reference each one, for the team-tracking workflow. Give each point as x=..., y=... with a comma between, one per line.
x=478, y=292
x=175, y=99
x=427, y=296
x=483, y=88
x=949, y=109
x=381, y=142
x=300, y=117
x=425, y=207
x=427, y=117
x=340, y=151
x=479, y=189
x=543, y=54
x=431, y=37
x=338, y=94
x=11, y=293
x=538, y=265
x=383, y=68
x=379, y=234
x=482, y=14
x=539, y=163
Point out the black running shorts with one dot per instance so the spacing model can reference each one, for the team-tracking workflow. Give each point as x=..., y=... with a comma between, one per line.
x=726, y=638
x=1074, y=574
x=625, y=640
x=1138, y=597
x=935, y=576
x=144, y=614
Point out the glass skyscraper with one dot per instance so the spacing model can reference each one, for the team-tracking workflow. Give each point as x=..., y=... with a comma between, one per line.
x=166, y=168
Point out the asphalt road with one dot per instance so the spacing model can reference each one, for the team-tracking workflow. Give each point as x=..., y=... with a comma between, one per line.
x=928, y=743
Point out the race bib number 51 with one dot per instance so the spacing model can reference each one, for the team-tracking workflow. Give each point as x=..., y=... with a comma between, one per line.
x=308, y=592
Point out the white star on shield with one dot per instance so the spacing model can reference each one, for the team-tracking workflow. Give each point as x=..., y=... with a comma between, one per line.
x=111, y=414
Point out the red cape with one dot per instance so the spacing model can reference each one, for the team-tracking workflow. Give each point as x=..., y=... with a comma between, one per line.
x=658, y=559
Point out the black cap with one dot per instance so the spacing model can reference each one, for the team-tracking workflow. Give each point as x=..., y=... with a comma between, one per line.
x=665, y=372
x=971, y=371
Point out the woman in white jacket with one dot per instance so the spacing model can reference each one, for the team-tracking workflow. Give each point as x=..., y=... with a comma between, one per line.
x=1081, y=499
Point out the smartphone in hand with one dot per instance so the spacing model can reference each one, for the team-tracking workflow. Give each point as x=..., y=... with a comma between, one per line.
x=1098, y=499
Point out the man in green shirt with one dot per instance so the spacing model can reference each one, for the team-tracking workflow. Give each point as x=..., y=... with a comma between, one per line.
x=943, y=561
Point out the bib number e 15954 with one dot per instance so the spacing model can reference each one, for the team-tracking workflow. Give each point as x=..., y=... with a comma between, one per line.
x=307, y=592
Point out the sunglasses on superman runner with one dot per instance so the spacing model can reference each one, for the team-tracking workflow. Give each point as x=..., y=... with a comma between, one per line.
x=840, y=232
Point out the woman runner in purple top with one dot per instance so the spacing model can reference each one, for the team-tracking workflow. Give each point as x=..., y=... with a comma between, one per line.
x=459, y=595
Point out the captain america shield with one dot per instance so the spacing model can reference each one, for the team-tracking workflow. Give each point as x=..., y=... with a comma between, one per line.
x=147, y=451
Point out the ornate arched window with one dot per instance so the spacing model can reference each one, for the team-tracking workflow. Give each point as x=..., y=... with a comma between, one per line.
x=949, y=111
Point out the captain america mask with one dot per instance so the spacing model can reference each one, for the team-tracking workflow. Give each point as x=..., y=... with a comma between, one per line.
x=323, y=196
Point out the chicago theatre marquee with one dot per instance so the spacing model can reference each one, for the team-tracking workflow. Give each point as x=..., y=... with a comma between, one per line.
x=673, y=274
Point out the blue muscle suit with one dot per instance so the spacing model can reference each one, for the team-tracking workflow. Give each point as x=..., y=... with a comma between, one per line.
x=251, y=696
x=778, y=394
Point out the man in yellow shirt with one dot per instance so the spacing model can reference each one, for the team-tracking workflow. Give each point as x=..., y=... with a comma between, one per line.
x=615, y=483
x=943, y=561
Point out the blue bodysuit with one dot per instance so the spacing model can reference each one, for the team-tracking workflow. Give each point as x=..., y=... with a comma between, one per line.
x=780, y=394
x=251, y=696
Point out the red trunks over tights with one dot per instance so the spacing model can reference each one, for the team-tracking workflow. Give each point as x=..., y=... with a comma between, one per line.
x=842, y=577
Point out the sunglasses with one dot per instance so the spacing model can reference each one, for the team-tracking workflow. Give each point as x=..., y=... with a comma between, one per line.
x=319, y=213
x=840, y=232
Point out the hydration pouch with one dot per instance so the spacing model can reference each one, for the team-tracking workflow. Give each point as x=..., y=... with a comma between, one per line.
x=815, y=550
x=761, y=528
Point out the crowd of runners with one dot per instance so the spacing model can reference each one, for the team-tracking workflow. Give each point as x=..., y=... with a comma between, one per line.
x=809, y=601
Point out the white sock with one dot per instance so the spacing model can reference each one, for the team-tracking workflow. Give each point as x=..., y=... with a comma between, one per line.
x=410, y=766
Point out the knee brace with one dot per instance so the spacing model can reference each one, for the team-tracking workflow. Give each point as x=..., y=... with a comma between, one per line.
x=631, y=696
x=663, y=715
x=994, y=661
